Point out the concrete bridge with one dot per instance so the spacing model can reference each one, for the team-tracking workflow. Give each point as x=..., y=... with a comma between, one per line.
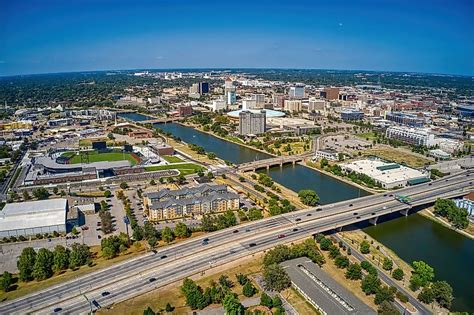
x=267, y=163
x=163, y=120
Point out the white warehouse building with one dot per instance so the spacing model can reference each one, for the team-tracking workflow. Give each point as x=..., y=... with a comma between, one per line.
x=33, y=217
x=388, y=175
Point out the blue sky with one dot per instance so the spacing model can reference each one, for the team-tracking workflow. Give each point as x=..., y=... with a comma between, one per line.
x=77, y=35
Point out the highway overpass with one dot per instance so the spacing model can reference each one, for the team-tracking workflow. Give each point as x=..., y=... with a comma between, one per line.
x=172, y=263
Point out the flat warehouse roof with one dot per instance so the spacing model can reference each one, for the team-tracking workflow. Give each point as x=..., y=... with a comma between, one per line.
x=32, y=214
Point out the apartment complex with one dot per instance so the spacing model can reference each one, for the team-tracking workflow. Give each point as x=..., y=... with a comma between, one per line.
x=415, y=136
x=252, y=122
x=292, y=105
x=202, y=199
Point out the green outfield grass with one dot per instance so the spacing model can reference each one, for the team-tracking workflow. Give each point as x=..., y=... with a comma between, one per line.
x=172, y=159
x=185, y=168
x=95, y=156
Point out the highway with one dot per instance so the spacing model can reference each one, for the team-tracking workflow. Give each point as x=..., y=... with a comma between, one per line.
x=172, y=263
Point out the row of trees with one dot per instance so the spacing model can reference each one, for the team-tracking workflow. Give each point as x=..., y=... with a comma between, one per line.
x=210, y=223
x=448, y=209
x=44, y=263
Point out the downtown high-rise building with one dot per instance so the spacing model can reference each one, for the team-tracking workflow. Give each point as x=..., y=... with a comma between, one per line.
x=296, y=91
x=251, y=122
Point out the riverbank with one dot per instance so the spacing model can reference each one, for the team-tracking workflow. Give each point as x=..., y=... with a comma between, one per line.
x=196, y=127
x=428, y=213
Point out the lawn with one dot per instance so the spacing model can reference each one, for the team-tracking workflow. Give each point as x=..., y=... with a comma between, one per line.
x=367, y=136
x=398, y=156
x=95, y=156
x=184, y=169
x=172, y=159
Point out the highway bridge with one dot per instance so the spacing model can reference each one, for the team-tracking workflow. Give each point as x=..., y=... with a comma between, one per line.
x=173, y=263
x=267, y=163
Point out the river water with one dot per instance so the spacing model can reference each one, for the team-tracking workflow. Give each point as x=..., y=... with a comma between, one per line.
x=412, y=238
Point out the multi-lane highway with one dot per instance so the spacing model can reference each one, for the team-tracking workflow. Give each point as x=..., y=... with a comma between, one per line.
x=172, y=263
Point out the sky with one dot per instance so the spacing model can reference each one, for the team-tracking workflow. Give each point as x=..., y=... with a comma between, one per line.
x=47, y=36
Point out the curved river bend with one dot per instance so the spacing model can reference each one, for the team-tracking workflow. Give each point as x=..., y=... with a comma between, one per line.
x=412, y=238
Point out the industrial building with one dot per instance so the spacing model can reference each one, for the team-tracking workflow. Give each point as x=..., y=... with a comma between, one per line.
x=388, y=175
x=252, y=123
x=169, y=204
x=33, y=217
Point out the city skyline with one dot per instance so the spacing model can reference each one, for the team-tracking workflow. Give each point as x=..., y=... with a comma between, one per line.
x=426, y=37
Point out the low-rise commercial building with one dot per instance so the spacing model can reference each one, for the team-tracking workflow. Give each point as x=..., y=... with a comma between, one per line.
x=33, y=217
x=388, y=175
x=330, y=155
x=202, y=199
x=350, y=114
x=292, y=105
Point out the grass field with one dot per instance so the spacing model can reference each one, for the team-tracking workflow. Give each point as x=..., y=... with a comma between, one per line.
x=367, y=136
x=95, y=156
x=158, y=298
x=185, y=168
x=172, y=159
x=398, y=156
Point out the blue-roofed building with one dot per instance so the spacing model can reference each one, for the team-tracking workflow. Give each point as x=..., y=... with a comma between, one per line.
x=465, y=111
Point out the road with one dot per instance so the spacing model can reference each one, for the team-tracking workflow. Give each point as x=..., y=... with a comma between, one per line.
x=173, y=263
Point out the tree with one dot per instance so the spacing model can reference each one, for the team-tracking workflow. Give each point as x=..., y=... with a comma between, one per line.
x=308, y=197
x=384, y=293
x=427, y=295
x=148, y=311
x=242, y=279
x=181, y=179
x=364, y=247
x=60, y=258
x=254, y=214
x=387, y=264
x=41, y=193
x=181, y=230
x=421, y=275
x=248, y=289
x=398, y=274
x=43, y=267
x=232, y=304
x=123, y=185
x=325, y=244
x=169, y=308
x=323, y=163
x=25, y=264
x=79, y=256
x=167, y=235
x=55, y=190
x=276, y=278
x=7, y=281
x=354, y=272
x=211, y=156
x=26, y=195
x=266, y=300
x=443, y=293
x=276, y=301
x=107, y=194
x=225, y=282
x=387, y=308
x=370, y=284
x=341, y=261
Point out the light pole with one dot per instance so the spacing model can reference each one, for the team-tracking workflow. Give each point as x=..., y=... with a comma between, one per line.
x=126, y=220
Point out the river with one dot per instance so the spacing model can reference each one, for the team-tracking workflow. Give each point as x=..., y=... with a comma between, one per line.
x=412, y=238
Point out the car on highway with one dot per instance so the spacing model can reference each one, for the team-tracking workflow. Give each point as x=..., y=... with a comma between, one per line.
x=298, y=219
x=295, y=230
x=281, y=236
x=105, y=293
x=373, y=213
x=350, y=205
x=308, y=214
x=152, y=280
x=96, y=304
x=99, y=223
x=232, y=251
x=235, y=231
x=358, y=218
x=319, y=209
x=384, y=207
x=252, y=245
x=99, y=237
x=85, y=228
x=247, y=230
x=57, y=310
x=355, y=213
x=163, y=257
